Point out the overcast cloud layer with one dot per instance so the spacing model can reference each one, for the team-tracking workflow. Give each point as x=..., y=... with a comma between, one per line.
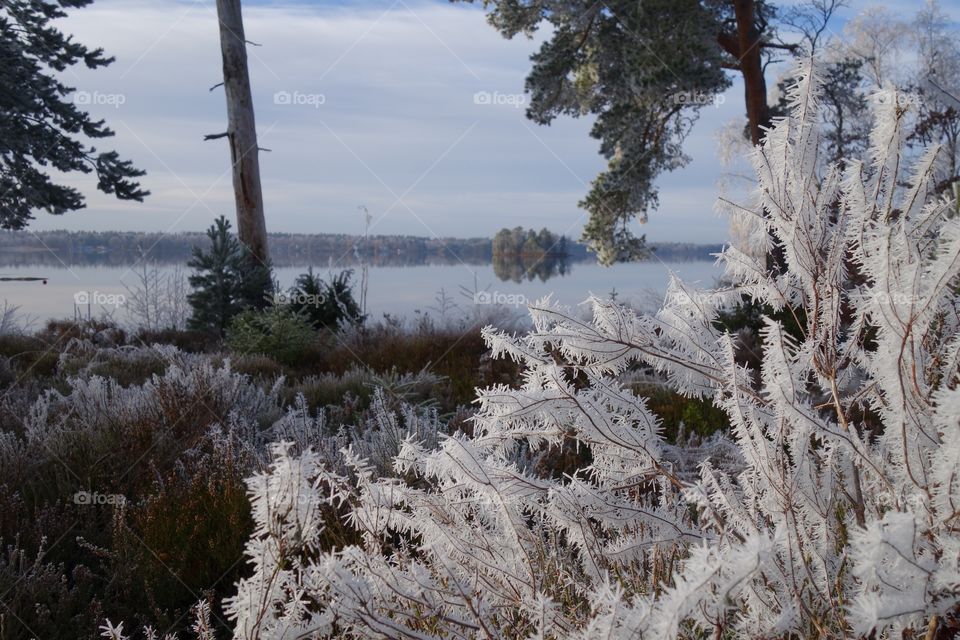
x=361, y=103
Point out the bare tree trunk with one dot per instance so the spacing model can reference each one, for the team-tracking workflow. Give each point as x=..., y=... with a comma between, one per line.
x=242, y=131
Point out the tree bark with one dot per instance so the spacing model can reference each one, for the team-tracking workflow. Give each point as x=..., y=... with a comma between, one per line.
x=746, y=48
x=242, y=131
x=751, y=67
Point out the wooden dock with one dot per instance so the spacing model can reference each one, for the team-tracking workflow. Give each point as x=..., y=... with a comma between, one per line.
x=22, y=279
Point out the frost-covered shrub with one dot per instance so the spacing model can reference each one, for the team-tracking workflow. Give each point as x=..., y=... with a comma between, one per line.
x=103, y=332
x=12, y=321
x=167, y=454
x=378, y=439
x=195, y=520
x=34, y=587
x=836, y=516
x=104, y=427
x=126, y=364
x=190, y=383
x=205, y=472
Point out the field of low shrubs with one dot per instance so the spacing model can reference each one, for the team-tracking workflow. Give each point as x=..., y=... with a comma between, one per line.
x=123, y=453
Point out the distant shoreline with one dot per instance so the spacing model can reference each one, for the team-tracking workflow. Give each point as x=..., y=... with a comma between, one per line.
x=121, y=248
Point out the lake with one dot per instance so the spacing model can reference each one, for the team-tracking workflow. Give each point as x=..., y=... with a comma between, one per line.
x=400, y=291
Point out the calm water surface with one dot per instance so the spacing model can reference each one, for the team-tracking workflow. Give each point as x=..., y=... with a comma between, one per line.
x=399, y=291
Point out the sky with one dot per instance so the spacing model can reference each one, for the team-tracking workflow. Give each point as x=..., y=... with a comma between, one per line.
x=410, y=108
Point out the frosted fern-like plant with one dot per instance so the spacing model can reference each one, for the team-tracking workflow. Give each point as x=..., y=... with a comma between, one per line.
x=838, y=517
x=376, y=440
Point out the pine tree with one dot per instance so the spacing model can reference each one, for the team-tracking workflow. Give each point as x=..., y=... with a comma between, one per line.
x=325, y=304
x=643, y=70
x=228, y=280
x=40, y=125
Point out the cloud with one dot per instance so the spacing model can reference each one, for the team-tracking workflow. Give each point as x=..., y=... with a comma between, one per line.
x=359, y=103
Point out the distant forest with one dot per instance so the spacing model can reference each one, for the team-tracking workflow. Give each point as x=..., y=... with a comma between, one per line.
x=121, y=248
